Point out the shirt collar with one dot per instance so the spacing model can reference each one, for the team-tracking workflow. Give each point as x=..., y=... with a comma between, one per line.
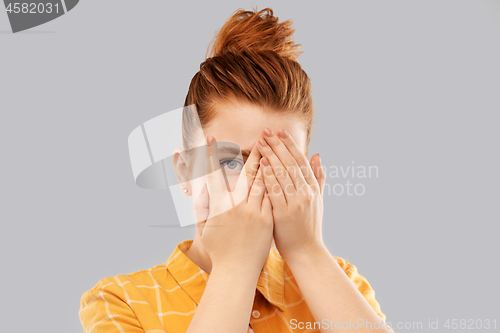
x=193, y=279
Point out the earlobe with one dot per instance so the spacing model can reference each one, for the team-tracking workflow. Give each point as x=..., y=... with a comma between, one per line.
x=181, y=171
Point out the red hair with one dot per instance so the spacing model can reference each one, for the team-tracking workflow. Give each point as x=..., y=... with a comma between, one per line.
x=252, y=59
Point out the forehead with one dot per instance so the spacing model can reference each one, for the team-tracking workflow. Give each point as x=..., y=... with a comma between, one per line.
x=242, y=124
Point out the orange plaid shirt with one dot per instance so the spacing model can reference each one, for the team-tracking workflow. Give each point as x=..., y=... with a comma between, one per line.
x=163, y=299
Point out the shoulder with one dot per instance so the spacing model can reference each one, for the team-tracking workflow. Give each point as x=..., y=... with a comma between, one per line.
x=113, y=301
x=120, y=283
x=116, y=283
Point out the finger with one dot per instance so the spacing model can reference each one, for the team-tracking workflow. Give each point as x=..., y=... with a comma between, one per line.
x=217, y=187
x=279, y=170
x=286, y=158
x=266, y=205
x=257, y=191
x=319, y=172
x=247, y=175
x=252, y=163
x=200, y=205
x=301, y=159
x=273, y=187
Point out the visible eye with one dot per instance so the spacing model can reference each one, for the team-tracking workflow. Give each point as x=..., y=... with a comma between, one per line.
x=232, y=165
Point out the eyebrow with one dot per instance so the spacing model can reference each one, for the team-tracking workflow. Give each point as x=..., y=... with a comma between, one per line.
x=235, y=151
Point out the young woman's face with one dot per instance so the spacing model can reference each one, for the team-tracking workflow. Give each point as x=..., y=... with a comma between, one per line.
x=242, y=124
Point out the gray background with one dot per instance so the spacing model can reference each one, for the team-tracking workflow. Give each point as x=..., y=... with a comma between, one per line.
x=411, y=87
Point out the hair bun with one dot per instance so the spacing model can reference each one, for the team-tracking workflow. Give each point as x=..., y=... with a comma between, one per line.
x=256, y=30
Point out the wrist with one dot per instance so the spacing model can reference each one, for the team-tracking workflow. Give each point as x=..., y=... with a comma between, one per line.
x=309, y=254
x=236, y=271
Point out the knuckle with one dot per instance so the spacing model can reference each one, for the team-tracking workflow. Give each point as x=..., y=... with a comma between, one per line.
x=302, y=160
x=298, y=207
x=254, y=154
x=294, y=171
x=304, y=190
x=265, y=150
x=256, y=190
x=248, y=172
x=251, y=168
x=267, y=172
x=289, y=189
x=309, y=195
x=258, y=181
x=249, y=214
x=290, y=160
x=304, y=168
x=276, y=189
x=281, y=172
x=315, y=189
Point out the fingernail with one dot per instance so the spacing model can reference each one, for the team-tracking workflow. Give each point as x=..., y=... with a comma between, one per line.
x=263, y=142
x=264, y=161
x=210, y=139
x=268, y=132
x=283, y=133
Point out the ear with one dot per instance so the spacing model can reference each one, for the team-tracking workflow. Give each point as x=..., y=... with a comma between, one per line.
x=181, y=171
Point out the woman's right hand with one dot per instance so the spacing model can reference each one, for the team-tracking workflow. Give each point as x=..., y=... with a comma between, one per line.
x=240, y=237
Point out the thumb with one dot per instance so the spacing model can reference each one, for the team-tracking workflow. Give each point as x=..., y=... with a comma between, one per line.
x=318, y=170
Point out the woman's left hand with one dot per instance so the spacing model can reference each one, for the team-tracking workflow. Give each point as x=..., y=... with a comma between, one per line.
x=295, y=188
